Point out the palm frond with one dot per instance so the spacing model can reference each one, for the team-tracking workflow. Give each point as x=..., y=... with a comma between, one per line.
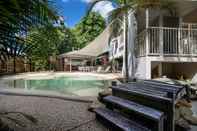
x=17, y=16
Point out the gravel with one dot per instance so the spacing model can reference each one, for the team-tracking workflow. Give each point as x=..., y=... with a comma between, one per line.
x=52, y=114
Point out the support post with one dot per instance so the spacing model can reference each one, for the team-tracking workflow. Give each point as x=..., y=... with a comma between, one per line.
x=161, y=42
x=180, y=51
x=70, y=65
x=147, y=32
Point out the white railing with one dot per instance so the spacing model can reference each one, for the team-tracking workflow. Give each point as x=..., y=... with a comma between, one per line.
x=167, y=41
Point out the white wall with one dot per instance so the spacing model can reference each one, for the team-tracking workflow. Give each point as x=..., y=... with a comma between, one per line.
x=143, y=68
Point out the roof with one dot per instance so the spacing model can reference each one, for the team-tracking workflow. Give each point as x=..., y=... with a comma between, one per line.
x=94, y=48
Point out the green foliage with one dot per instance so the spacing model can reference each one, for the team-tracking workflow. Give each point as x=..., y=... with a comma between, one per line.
x=89, y=28
x=44, y=42
x=16, y=18
x=47, y=41
x=69, y=42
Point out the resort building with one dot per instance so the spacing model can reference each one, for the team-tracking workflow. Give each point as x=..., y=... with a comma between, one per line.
x=161, y=42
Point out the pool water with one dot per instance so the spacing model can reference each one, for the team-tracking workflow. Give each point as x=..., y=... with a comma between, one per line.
x=70, y=85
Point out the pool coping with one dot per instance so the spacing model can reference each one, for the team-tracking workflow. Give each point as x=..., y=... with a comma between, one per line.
x=46, y=95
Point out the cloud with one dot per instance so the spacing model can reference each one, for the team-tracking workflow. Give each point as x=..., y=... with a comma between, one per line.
x=103, y=8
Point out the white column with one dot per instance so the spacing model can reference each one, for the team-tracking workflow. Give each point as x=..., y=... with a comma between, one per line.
x=161, y=42
x=124, y=35
x=147, y=32
x=180, y=51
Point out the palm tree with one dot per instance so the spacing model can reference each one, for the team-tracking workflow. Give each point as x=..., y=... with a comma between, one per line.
x=16, y=17
x=123, y=7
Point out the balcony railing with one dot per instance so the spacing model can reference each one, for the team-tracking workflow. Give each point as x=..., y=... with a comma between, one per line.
x=167, y=41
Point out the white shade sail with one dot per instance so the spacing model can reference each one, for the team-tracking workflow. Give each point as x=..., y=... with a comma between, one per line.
x=94, y=48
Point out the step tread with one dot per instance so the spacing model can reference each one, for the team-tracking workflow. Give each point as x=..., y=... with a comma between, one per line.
x=141, y=85
x=141, y=109
x=142, y=89
x=119, y=120
x=130, y=90
x=153, y=87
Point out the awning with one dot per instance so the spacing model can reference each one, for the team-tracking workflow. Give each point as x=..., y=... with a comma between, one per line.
x=94, y=49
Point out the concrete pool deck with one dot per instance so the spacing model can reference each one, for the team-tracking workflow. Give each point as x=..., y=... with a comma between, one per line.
x=52, y=114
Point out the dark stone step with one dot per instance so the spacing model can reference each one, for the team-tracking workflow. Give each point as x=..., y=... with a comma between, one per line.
x=144, y=94
x=178, y=90
x=156, y=82
x=144, y=89
x=116, y=122
x=161, y=103
x=141, y=110
x=152, y=87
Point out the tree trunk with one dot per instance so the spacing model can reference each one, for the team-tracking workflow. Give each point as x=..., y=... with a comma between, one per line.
x=126, y=46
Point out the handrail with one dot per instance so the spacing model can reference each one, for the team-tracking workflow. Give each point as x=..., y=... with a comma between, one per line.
x=178, y=28
x=169, y=40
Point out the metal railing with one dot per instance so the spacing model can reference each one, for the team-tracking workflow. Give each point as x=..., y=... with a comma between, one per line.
x=167, y=41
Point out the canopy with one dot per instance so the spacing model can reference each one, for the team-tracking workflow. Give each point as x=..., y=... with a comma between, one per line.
x=94, y=49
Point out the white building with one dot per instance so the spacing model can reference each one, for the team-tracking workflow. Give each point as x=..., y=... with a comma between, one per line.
x=160, y=42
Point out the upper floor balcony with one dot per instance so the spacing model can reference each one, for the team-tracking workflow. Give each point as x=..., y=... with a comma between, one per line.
x=166, y=41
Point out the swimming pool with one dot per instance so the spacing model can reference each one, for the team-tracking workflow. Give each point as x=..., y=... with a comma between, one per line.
x=68, y=85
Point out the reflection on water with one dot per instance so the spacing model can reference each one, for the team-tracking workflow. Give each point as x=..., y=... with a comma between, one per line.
x=65, y=85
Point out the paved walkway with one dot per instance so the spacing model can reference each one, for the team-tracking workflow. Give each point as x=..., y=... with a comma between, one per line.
x=52, y=114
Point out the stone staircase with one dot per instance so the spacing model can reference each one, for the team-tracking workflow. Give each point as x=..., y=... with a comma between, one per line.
x=140, y=106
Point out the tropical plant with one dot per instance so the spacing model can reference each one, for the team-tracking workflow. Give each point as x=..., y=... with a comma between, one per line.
x=121, y=13
x=45, y=41
x=69, y=42
x=16, y=17
x=89, y=28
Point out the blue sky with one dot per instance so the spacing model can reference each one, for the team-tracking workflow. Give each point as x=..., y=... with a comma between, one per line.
x=74, y=10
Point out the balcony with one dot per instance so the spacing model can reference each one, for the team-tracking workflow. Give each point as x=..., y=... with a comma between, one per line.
x=164, y=41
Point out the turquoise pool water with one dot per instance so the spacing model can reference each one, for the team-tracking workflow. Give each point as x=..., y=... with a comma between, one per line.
x=70, y=85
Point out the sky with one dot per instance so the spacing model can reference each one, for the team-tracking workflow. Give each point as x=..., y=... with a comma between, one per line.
x=74, y=10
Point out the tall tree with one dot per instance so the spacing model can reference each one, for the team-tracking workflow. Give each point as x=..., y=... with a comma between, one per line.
x=45, y=41
x=16, y=17
x=89, y=28
x=69, y=42
x=123, y=7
